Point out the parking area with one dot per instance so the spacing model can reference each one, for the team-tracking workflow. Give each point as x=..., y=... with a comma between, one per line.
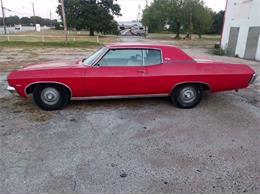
x=131, y=145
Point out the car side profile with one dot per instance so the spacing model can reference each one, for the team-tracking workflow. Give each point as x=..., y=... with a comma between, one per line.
x=128, y=71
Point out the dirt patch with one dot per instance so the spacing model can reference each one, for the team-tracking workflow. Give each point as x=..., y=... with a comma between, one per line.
x=13, y=58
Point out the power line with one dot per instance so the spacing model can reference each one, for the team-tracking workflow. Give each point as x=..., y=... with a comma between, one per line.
x=9, y=10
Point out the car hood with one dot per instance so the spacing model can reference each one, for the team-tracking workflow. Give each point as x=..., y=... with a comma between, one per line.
x=52, y=65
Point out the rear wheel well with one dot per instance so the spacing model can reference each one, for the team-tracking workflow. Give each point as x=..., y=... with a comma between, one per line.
x=204, y=86
x=30, y=88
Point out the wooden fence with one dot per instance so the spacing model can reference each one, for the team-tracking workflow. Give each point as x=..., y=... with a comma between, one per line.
x=47, y=38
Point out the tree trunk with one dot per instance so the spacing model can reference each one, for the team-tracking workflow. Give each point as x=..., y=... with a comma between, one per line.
x=178, y=30
x=188, y=36
x=91, y=31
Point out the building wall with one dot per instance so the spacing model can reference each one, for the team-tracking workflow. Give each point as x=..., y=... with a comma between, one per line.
x=243, y=14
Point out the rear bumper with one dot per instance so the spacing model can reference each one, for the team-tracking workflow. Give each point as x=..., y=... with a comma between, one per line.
x=253, y=79
x=12, y=90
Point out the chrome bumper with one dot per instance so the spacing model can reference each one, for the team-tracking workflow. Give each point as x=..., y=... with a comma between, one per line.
x=253, y=79
x=12, y=90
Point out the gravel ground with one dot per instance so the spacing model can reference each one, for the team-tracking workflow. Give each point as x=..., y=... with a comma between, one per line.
x=128, y=146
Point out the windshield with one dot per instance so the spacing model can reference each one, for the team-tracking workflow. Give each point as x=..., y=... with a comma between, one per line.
x=93, y=57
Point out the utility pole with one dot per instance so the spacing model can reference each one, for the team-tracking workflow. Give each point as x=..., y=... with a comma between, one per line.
x=139, y=13
x=3, y=13
x=33, y=9
x=34, y=15
x=145, y=27
x=50, y=19
x=64, y=20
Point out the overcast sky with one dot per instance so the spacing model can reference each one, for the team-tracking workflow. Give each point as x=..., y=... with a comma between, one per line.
x=129, y=8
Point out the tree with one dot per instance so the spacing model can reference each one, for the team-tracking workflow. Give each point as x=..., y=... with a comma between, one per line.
x=154, y=17
x=12, y=20
x=37, y=20
x=197, y=17
x=92, y=15
x=175, y=16
x=218, y=20
x=25, y=21
x=186, y=15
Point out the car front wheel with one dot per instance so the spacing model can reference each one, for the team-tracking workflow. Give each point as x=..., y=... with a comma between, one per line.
x=50, y=97
x=187, y=96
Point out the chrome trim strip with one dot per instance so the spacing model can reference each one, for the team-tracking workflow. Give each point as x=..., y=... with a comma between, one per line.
x=119, y=97
x=46, y=82
x=100, y=57
x=12, y=90
x=122, y=48
x=253, y=79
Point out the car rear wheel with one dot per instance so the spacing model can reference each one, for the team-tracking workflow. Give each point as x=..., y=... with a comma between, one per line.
x=50, y=97
x=187, y=96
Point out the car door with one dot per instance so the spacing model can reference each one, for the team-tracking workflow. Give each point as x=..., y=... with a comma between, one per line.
x=158, y=80
x=119, y=73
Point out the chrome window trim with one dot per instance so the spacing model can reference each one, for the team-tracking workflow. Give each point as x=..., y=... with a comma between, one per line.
x=100, y=57
x=124, y=48
x=158, y=49
x=47, y=82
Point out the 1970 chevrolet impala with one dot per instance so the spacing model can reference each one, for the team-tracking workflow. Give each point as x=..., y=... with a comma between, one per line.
x=125, y=71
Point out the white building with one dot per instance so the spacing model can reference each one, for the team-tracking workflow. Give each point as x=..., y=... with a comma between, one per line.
x=241, y=31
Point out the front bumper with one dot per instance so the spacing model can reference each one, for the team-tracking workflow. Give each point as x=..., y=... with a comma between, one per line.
x=12, y=90
x=253, y=79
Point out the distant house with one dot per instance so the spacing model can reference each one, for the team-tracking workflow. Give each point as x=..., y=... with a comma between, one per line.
x=241, y=31
x=131, y=28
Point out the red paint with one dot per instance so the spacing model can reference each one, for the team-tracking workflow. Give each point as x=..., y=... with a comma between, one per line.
x=177, y=67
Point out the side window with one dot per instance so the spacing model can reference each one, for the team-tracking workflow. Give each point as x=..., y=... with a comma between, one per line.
x=122, y=57
x=152, y=56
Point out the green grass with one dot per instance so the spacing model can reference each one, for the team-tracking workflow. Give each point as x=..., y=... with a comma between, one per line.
x=69, y=44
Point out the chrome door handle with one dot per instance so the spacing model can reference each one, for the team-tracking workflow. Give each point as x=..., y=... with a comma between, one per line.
x=140, y=71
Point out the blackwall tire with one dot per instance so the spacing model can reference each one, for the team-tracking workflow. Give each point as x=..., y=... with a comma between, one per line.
x=50, y=97
x=187, y=96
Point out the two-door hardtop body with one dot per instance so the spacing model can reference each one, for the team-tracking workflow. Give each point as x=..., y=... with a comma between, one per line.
x=128, y=70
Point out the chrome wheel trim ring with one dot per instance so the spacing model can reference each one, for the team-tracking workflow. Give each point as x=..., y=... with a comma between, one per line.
x=188, y=95
x=50, y=96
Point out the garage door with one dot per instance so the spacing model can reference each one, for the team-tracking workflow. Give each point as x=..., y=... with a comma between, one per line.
x=232, y=41
x=252, y=43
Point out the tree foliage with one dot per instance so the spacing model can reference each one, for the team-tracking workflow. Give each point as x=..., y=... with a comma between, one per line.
x=92, y=15
x=26, y=21
x=188, y=16
x=218, y=20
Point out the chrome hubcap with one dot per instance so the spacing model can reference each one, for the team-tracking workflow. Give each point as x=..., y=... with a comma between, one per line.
x=188, y=95
x=50, y=96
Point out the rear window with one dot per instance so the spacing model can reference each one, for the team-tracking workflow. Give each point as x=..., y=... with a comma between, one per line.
x=152, y=56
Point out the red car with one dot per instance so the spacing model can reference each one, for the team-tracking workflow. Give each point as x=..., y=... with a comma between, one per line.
x=128, y=70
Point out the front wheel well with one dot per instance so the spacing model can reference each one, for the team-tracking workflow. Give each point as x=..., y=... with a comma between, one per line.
x=204, y=86
x=29, y=89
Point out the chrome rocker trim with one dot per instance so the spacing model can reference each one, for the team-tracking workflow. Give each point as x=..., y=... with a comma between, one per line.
x=119, y=97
